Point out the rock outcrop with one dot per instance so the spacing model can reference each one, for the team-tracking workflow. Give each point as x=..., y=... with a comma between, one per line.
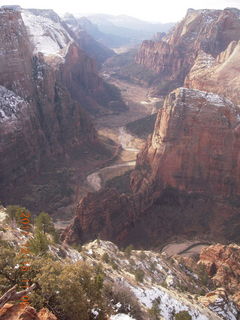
x=186, y=180
x=223, y=266
x=20, y=311
x=172, y=57
x=219, y=75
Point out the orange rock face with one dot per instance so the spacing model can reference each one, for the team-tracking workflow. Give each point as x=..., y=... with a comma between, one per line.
x=174, y=55
x=194, y=147
x=223, y=265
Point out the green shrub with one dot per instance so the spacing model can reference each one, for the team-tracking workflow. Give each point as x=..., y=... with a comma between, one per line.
x=154, y=312
x=114, y=265
x=39, y=243
x=139, y=275
x=128, y=302
x=142, y=255
x=14, y=214
x=105, y=257
x=183, y=315
x=128, y=251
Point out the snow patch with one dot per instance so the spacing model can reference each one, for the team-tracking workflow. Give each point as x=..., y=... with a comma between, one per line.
x=47, y=36
x=10, y=104
x=121, y=316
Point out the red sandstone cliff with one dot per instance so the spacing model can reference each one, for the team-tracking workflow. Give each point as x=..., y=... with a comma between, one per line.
x=174, y=55
x=186, y=181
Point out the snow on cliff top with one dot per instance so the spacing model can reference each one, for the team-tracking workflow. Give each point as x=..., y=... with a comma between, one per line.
x=47, y=35
x=211, y=97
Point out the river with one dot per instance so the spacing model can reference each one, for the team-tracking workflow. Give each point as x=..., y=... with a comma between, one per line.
x=126, y=140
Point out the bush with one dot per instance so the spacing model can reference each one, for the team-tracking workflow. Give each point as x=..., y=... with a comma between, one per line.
x=105, y=257
x=128, y=251
x=60, y=287
x=203, y=276
x=154, y=312
x=118, y=293
x=14, y=214
x=139, y=275
x=44, y=223
x=39, y=243
x=142, y=255
x=183, y=315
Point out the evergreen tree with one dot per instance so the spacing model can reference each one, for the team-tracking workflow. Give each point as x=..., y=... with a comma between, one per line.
x=44, y=223
x=39, y=243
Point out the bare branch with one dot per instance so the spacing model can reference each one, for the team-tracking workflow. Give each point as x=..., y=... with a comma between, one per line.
x=12, y=294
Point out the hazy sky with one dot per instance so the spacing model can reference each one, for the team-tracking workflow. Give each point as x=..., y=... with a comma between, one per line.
x=150, y=10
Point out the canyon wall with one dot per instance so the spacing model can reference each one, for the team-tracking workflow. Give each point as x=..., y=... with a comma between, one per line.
x=49, y=87
x=223, y=70
x=173, y=56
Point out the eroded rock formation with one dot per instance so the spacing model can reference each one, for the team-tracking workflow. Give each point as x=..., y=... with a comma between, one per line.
x=223, y=265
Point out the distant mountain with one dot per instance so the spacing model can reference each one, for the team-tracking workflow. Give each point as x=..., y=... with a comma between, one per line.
x=109, y=40
x=116, y=31
x=86, y=41
x=127, y=22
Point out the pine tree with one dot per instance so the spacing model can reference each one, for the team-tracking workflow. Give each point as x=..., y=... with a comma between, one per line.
x=39, y=243
x=44, y=223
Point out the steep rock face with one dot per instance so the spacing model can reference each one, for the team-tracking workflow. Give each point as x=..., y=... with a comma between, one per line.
x=219, y=75
x=174, y=55
x=16, y=54
x=223, y=265
x=194, y=147
x=115, y=213
x=186, y=180
x=50, y=36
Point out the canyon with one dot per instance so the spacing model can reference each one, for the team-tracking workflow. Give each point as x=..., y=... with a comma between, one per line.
x=137, y=150
x=186, y=179
x=50, y=90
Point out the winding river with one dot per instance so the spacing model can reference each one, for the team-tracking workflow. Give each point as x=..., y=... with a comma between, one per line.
x=95, y=180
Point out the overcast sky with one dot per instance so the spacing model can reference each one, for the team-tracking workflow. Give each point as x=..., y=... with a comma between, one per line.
x=149, y=10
